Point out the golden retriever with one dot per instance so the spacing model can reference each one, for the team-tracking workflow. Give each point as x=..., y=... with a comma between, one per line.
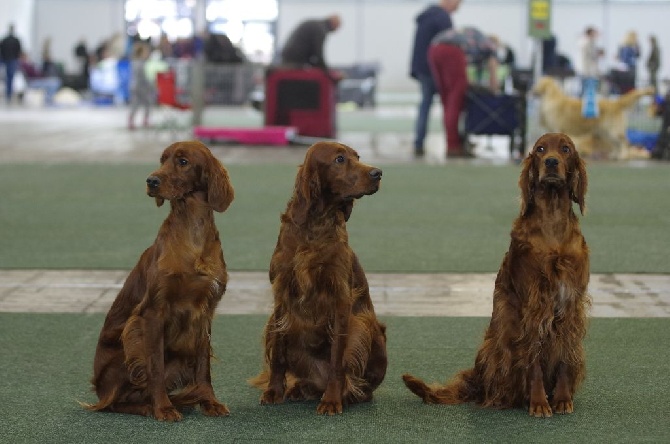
x=600, y=137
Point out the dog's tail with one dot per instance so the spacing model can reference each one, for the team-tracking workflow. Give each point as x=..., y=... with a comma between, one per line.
x=102, y=404
x=190, y=396
x=261, y=380
x=629, y=99
x=460, y=389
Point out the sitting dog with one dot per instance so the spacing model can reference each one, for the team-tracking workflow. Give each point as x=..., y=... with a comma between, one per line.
x=603, y=136
x=153, y=353
x=323, y=340
x=532, y=353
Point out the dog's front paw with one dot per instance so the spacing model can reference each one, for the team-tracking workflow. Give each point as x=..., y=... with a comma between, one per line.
x=168, y=414
x=214, y=408
x=563, y=407
x=272, y=396
x=326, y=407
x=539, y=409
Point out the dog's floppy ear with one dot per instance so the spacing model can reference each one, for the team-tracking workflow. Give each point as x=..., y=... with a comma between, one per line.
x=220, y=192
x=347, y=207
x=307, y=191
x=527, y=183
x=578, y=182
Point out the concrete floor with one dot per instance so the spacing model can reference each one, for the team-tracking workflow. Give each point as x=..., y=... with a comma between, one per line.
x=86, y=291
x=82, y=134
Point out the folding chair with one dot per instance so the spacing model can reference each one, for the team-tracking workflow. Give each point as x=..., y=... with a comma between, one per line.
x=169, y=102
x=491, y=114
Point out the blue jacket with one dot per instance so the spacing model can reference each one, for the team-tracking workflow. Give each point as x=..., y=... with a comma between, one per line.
x=628, y=55
x=428, y=24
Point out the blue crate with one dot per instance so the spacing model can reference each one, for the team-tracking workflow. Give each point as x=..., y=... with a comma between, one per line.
x=642, y=138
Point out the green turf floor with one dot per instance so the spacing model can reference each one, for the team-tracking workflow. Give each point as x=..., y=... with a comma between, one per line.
x=47, y=359
x=448, y=218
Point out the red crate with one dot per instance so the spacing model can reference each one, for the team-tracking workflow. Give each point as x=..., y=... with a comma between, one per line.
x=304, y=98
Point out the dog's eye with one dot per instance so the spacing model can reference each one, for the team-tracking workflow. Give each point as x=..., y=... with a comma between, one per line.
x=566, y=149
x=183, y=162
x=339, y=159
x=540, y=149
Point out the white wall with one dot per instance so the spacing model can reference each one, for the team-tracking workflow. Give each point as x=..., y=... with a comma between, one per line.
x=20, y=14
x=67, y=21
x=372, y=30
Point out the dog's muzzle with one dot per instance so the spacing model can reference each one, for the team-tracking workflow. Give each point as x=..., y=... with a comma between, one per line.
x=375, y=174
x=551, y=162
x=153, y=182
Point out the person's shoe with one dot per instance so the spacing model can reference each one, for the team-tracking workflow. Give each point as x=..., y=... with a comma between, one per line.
x=419, y=152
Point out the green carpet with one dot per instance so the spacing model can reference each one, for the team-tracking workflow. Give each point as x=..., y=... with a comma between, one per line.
x=449, y=218
x=47, y=359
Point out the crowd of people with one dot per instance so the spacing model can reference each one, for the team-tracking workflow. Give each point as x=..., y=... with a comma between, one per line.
x=22, y=73
x=440, y=58
x=442, y=53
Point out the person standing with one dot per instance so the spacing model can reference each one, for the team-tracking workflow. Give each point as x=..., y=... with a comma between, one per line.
x=654, y=62
x=304, y=46
x=48, y=66
x=431, y=21
x=628, y=54
x=449, y=55
x=591, y=55
x=10, y=52
x=142, y=92
x=629, y=51
x=81, y=53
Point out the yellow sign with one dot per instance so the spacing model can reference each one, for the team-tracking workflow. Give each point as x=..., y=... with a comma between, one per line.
x=539, y=10
x=539, y=18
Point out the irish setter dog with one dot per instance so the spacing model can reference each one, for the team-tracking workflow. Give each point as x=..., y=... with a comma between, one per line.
x=153, y=353
x=323, y=340
x=532, y=353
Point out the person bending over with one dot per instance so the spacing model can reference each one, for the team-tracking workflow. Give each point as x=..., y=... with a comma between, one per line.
x=449, y=55
x=305, y=44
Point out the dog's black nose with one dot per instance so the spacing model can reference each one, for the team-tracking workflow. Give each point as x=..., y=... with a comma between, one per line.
x=153, y=182
x=551, y=162
x=376, y=174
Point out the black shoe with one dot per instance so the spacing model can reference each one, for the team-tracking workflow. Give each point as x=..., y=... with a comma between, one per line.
x=419, y=152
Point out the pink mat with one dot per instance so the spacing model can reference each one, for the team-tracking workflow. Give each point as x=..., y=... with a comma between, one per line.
x=269, y=135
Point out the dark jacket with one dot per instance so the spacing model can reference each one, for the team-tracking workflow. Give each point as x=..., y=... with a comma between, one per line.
x=10, y=48
x=305, y=44
x=219, y=49
x=429, y=23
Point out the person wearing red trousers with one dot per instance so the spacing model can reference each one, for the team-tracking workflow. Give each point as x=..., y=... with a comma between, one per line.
x=449, y=55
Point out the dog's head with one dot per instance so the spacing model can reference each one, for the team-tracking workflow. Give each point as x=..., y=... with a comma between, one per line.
x=553, y=163
x=332, y=175
x=188, y=168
